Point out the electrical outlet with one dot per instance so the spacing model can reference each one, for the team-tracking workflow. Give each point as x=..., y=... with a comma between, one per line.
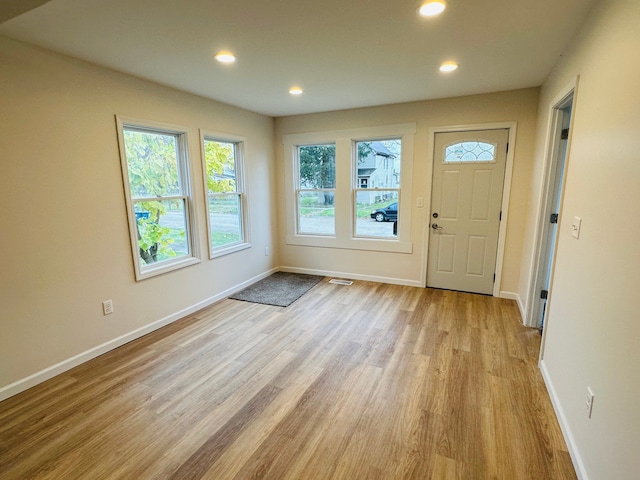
x=588, y=404
x=107, y=307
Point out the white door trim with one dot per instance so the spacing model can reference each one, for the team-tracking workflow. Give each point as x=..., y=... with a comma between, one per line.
x=506, y=192
x=542, y=252
x=544, y=194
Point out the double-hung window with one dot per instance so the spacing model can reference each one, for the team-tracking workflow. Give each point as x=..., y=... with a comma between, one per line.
x=224, y=185
x=316, y=188
x=350, y=189
x=155, y=170
x=377, y=165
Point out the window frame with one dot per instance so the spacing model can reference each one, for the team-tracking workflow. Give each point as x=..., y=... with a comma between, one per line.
x=143, y=272
x=240, y=179
x=344, y=192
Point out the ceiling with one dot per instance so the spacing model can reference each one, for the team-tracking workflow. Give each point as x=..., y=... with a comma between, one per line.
x=343, y=53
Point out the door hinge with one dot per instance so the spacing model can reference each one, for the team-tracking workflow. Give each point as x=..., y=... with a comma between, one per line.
x=500, y=218
x=544, y=294
x=564, y=134
x=553, y=218
x=507, y=147
x=494, y=278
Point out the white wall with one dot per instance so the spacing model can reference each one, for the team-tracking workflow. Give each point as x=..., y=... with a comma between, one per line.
x=65, y=242
x=517, y=105
x=592, y=335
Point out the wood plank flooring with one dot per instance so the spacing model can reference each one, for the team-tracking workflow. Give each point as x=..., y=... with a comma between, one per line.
x=368, y=381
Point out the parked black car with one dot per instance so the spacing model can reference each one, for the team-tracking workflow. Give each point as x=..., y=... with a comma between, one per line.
x=386, y=214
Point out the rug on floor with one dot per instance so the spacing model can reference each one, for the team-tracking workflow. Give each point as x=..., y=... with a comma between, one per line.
x=280, y=289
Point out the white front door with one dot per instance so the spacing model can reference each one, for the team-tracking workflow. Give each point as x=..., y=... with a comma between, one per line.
x=466, y=198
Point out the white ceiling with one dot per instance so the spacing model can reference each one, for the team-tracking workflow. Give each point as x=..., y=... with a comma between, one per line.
x=343, y=53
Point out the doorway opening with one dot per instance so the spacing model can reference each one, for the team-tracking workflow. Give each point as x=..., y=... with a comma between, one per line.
x=550, y=210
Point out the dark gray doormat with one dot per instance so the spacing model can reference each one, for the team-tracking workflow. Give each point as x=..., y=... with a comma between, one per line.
x=280, y=289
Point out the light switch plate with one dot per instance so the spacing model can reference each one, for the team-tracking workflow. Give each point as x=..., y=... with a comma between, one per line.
x=575, y=227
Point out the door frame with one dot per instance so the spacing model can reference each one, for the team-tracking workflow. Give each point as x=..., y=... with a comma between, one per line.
x=506, y=193
x=549, y=178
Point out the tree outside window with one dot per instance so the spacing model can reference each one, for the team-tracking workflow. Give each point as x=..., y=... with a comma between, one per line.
x=156, y=174
x=316, y=189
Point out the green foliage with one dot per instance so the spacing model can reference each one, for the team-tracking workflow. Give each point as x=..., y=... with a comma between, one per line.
x=221, y=172
x=152, y=164
x=318, y=166
x=220, y=165
x=153, y=172
x=154, y=241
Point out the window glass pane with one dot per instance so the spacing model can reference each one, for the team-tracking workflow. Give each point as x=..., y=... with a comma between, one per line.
x=225, y=219
x=378, y=163
x=223, y=159
x=316, y=213
x=470, y=152
x=152, y=164
x=376, y=212
x=162, y=227
x=221, y=166
x=317, y=166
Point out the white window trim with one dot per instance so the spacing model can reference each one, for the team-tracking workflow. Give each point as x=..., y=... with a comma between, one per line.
x=344, y=197
x=240, y=166
x=184, y=166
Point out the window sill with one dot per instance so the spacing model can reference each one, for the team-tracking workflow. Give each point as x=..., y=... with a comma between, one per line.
x=369, y=244
x=165, y=267
x=221, y=252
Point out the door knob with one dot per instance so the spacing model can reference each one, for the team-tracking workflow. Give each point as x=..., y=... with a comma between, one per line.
x=435, y=226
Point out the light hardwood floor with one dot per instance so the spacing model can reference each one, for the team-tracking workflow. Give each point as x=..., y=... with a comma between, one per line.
x=368, y=381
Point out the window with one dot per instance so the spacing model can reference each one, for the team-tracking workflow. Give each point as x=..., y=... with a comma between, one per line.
x=334, y=180
x=316, y=189
x=379, y=161
x=158, y=196
x=223, y=167
x=470, y=152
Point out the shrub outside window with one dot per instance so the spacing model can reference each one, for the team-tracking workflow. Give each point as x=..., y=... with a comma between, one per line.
x=223, y=163
x=158, y=196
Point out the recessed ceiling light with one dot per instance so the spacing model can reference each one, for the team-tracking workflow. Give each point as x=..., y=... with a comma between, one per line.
x=225, y=57
x=430, y=9
x=295, y=91
x=449, y=66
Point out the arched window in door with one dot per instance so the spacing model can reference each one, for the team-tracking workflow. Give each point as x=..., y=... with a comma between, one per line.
x=470, y=151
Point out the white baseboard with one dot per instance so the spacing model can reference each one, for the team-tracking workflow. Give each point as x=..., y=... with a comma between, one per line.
x=50, y=372
x=352, y=276
x=576, y=458
x=516, y=297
